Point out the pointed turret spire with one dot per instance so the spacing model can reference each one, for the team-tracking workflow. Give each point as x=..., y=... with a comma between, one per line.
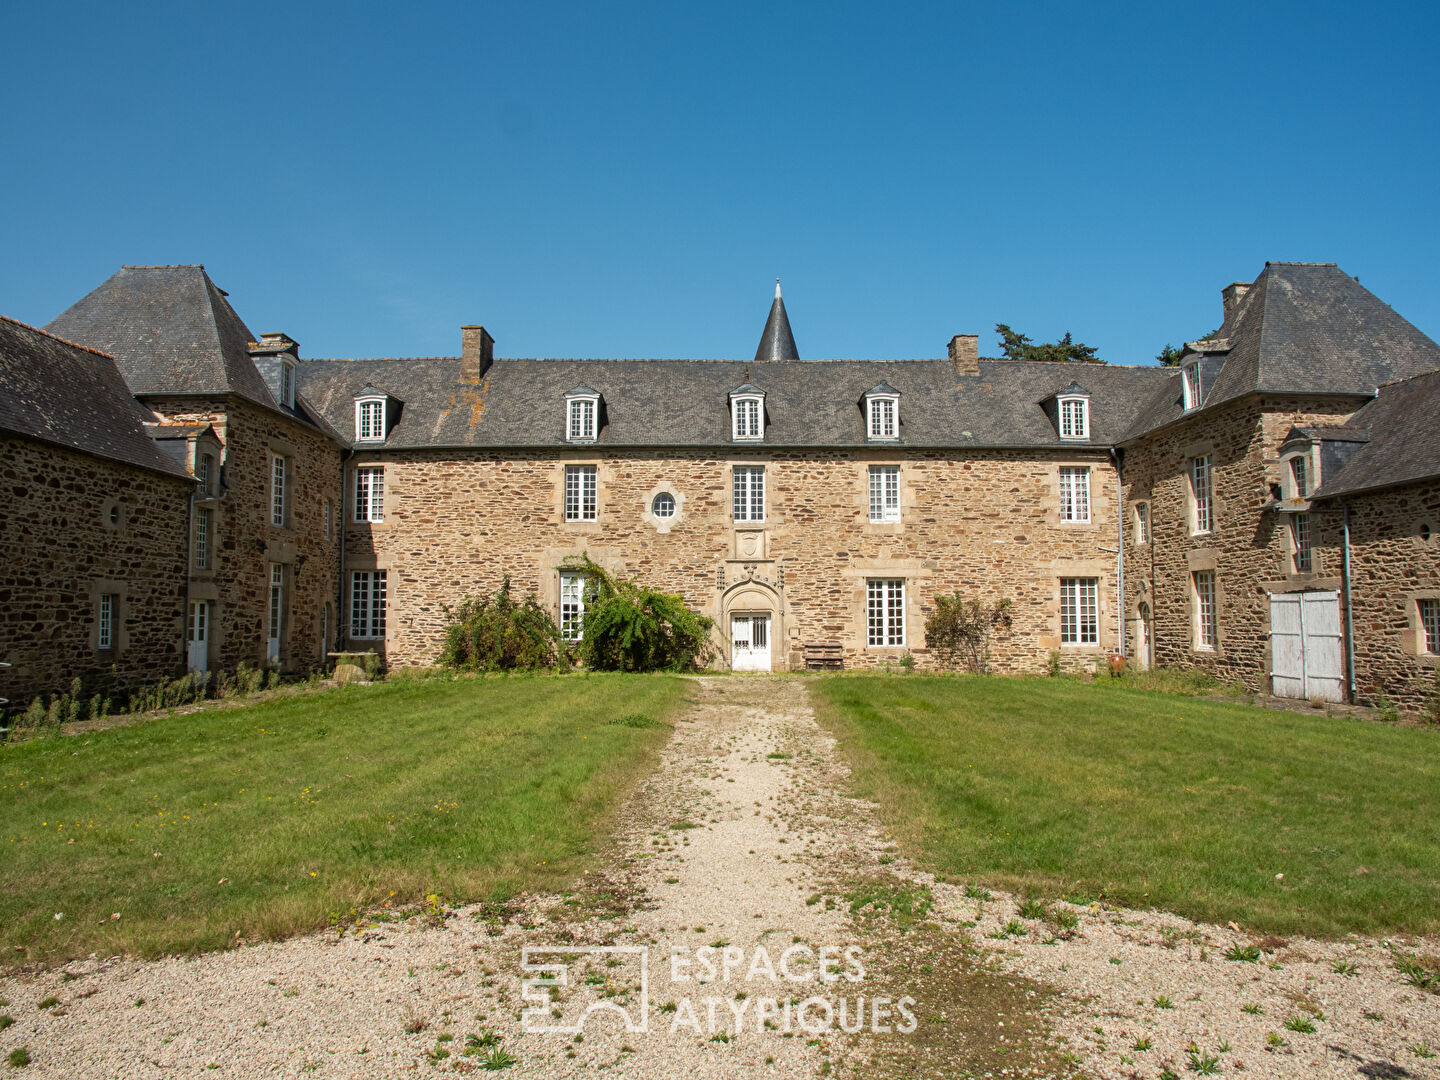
x=777, y=342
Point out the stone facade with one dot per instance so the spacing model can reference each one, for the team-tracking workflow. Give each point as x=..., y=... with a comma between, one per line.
x=246, y=543
x=456, y=523
x=76, y=528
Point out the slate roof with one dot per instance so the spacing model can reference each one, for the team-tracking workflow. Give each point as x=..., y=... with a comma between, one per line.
x=1305, y=328
x=72, y=396
x=776, y=340
x=1404, y=447
x=816, y=403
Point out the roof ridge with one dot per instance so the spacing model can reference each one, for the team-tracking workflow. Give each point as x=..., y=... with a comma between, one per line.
x=57, y=337
x=1409, y=378
x=162, y=266
x=1283, y=262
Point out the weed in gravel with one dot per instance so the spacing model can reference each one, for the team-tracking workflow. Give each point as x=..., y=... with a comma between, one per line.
x=1013, y=928
x=1275, y=1040
x=5, y=1021
x=49, y=1002
x=779, y=757
x=669, y=1007
x=1422, y=1050
x=720, y=1037
x=499, y=1058
x=977, y=892
x=1032, y=907
x=415, y=1024
x=1253, y=1009
x=1197, y=1061
x=1249, y=954
x=1344, y=967
x=1064, y=920
x=1162, y=1001
x=905, y=903
x=1423, y=973
x=1142, y=1044
x=18, y=1058
x=1303, y=1024
x=1370, y=1014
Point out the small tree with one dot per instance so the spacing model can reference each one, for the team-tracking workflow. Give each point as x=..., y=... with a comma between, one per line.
x=961, y=631
x=629, y=627
x=1016, y=346
x=1169, y=356
x=494, y=633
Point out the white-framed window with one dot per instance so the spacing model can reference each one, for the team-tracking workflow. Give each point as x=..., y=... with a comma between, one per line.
x=1074, y=418
x=1080, y=611
x=1075, y=493
x=884, y=493
x=1299, y=477
x=367, y=603
x=287, y=385
x=1207, y=624
x=884, y=416
x=370, y=420
x=580, y=419
x=370, y=493
x=749, y=492
x=1429, y=625
x=277, y=609
x=1300, y=535
x=105, y=621
x=1191, y=375
x=205, y=473
x=747, y=417
x=885, y=611
x=582, y=484
x=663, y=506
x=204, y=527
x=278, y=480
x=1142, y=523
x=1201, y=497
x=327, y=519
x=572, y=606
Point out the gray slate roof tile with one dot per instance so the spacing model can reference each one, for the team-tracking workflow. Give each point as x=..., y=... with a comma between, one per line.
x=1404, y=447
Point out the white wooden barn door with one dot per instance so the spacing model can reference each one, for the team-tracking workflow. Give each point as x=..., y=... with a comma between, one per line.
x=1306, y=651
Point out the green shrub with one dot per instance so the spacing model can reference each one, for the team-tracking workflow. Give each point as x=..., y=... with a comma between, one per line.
x=630, y=627
x=961, y=631
x=494, y=633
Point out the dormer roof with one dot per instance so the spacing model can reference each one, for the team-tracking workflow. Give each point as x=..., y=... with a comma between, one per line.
x=582, y=391
x=370, y=390
x=747, y=388
x=882, y=387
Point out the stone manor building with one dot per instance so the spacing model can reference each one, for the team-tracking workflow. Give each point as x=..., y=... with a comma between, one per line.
x=1266, y=510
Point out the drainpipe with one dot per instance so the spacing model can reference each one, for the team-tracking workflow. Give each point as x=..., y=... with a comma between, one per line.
x=1349, y=609
x=1119, y=551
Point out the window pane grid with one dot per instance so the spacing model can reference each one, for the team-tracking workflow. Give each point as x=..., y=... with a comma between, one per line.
x=572, y=606
x=370, y=493
x=749, y=493
x=105, y=632
x=1206, y=627
x=1200, y=491
x=582, y=419
x=1074, y=421
x=581, y=482
x=1430, y=625
x=884, y=493
x=202, y=538
x=882, y=418
x=277, y=492
x=1297, y=469
x=1074, y=494
x=372, y=425
x=1192, y=386
x=1142, y=523
x=747, y=418
x=367, y=604
x=885, y=611
x=1300, y=529
x=1079, y=611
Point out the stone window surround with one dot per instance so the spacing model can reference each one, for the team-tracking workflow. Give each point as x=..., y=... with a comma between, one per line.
x=1292, y=549
x=1412, y=635
x=1199, y=559
x=872, y=405
x=281, y=449
x=353, y=501
x=1136, y=538
x=862, y=497
x=1190, y=385
x=771, y=518
x=360, y=562
x=735, y=402
x=1287, y=473
x=360, y=403
x=647, y=512
x=119, y=637
x=916, y=575
x=604, y=477
x=1103, y=571
x=1190, y=452
x=1052, y=484
x=1083, y=400
x=548, y=570
x=571, y=400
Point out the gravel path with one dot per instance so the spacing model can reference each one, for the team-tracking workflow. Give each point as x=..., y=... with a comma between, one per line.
x=743, y=842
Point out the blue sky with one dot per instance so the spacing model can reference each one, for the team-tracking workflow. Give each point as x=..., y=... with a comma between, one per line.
x=629, y=179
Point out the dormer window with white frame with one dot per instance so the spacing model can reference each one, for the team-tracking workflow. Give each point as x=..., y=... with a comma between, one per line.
x=747, y=413
x=882, y=414
x=370, y=419
x=1073, y=405
x=287, y=384
x=582, y=415
x=1190, y=375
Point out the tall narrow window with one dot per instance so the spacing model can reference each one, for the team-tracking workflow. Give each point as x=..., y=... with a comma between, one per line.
x=1079, y=611
x=370, y=493
x=1075, y=494
x=1300, y=534
x=202, y=473
x=277, y=610
x=1207, y=626
x=581, y=496
x=885, y=611
x=367, y=604
x=1200, y=495
x=572, y=606
x=1297, y=473
x=1074, y=418
x=327, y=519
x=1430, y=626
x=277, y=491
x=370, y=420
x=884, y=493
x=105, y=628
x=748, y=412
x=582, y=419
x=287, y=385
x=749, y=501
x=1192, y=386
x=882, y=418
x=204, y=521
x=1142, y=523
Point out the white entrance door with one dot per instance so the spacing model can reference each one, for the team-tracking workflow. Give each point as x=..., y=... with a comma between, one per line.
x=277, y=609
x=1306, y=654
x=750, y=642
x=1142, y=637
x=197, y=646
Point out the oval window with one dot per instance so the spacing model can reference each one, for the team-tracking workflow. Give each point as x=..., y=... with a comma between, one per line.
x=663, y=506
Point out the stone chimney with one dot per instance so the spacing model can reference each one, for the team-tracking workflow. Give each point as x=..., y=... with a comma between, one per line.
x=477, y=350
x=1232, y=294
x=965, y=354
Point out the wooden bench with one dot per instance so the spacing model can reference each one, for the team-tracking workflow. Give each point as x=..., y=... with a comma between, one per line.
x=820, y=655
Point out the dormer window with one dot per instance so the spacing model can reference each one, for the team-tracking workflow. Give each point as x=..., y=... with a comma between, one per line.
x=370, y=420
x=1298, y=477
x=747, y=413
x=882, y=413
x=1074, y=409
x=1191, y=374
x=582, y=414
x=287, y=384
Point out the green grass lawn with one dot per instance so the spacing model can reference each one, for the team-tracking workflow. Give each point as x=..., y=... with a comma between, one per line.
x=1058, y=787
x=267, y=819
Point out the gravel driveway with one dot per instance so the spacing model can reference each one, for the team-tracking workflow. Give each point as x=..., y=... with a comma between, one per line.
x=826, y=953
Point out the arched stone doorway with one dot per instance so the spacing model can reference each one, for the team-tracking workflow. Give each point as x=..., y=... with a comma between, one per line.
x=752, y=623
x=1144, y=637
